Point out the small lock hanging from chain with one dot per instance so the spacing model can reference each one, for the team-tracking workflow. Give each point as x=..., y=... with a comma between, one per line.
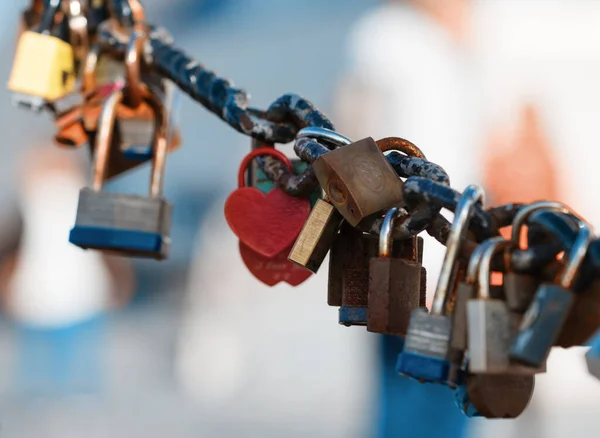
x=545, y=317
x=427, y=347
x=271, y=269
x=466, y=290
x=494, y=396
x=394, y=282
x=358, y=180
x=44, y=64
x=132, y=225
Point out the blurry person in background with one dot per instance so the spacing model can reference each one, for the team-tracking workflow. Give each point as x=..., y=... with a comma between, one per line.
x=411, y=74
x=540, y=70
x=58, y=295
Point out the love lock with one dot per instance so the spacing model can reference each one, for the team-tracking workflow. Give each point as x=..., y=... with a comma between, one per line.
x=128, y=224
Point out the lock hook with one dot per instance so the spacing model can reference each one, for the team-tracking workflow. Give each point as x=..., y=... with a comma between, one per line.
x=106, y=124
x=472, y=195
x=385, y=236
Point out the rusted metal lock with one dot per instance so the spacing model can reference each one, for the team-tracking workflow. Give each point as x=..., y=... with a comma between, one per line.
x=584, y=319
x=317, y=236
x=359, y=180
x=349, y=263
x=494, y=396
x=394, y=283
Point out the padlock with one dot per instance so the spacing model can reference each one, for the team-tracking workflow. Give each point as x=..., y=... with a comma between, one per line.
x=348, y=284
x=494, y=396
x=43, y=69
x=583, y=320
x=427, y=345
x=266, y=223
x=545, y=317
x=491, y=325
x=269, y=270
x=317, y=236
x=592, y=357
x=358, y=180
x=466, y=290
x=349, y=274
x=521, y=288
x=394, y=284
x=127, y=224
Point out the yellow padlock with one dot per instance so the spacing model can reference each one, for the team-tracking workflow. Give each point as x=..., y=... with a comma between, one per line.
x=44, y=67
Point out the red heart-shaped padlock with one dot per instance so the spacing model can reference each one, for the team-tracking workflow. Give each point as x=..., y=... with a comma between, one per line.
x=266, y=223
x=275, y=270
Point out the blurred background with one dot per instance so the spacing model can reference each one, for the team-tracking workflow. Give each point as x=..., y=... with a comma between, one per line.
x=502, y=93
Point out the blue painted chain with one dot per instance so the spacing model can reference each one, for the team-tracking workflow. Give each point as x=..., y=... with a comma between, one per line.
x=426, y=186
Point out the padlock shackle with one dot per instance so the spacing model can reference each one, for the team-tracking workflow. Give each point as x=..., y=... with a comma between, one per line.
x=48, y=17
x=104, y=137
x=259, y=153
x=475, y=262
x=138, y=15
x=465, y=209
x=88, y=70
x=328, y=135
x=524, y=213
x=387, y=226
x=401, y=145
x=492, y=247
x=575, y=257
x=133, y=67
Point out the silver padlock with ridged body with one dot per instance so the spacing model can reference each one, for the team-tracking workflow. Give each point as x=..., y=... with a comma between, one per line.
x=128, y=224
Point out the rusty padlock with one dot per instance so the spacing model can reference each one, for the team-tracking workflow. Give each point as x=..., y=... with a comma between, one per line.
x=394, y=282
x=349, y=262
x=358, y=180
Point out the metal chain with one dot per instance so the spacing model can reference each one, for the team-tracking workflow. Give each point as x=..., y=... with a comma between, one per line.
x=426, y=188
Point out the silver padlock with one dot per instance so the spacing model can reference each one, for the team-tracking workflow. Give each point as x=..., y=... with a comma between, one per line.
x=491, y=324
x=132, y=225
x=466, y=290
x=426, y=348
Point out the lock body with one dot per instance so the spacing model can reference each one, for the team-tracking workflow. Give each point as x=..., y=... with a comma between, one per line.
x=394, y=291
x=43, y=67
x=541, y=325
x=316, y=237
x=520, y=290
x=358, y=180
x=426, y=348
x=464, y=292
x=349, y=263
x=494, y=396
x=123, y=223
x=490, y=333
x=583, y=320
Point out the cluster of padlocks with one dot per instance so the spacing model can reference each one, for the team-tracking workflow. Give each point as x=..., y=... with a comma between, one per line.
x=363, y=203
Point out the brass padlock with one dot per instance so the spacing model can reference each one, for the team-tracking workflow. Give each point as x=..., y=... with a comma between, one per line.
x=317, y=236
x=43, y=67
x=358, y=180
x=394, y=283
